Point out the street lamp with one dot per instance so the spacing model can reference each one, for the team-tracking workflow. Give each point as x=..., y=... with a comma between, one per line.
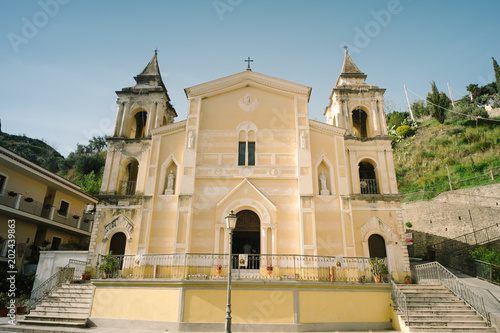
x=231, y=224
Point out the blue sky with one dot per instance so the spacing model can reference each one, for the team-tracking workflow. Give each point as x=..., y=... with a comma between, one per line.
x=61, y=61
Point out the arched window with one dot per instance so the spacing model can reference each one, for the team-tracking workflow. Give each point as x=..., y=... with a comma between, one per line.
x=129, y=181
x=359, y=122
x=246, y=148
x=367, y=178
x=376, y=245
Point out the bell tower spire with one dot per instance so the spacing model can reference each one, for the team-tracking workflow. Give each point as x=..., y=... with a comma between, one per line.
x=355, y=105
x=144, y=106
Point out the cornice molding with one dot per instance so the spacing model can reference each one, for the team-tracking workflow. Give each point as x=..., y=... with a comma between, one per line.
x=229, y=81
x=169, y=128
x=314, y=124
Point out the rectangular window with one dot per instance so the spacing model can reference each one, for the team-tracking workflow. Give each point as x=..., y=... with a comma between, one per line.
x=63, y=208
x=251, y=153
x=3, y=180
x=56, y=241
x=241, y=152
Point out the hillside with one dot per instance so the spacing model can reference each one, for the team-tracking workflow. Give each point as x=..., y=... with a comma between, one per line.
x=471, y=154
x=34, y=150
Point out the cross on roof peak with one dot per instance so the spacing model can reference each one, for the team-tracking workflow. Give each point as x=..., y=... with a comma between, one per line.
x=248, y=61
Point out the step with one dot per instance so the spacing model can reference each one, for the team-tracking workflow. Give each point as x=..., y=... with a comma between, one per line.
x=430, y=304
x=452, y=329
x=59, y=313
x=62, y=309
x=57, y=317
x=446, y=317
x=442, y=312
x=68, y=300
x=80, y=323
x=65, y=304
x=445, y=322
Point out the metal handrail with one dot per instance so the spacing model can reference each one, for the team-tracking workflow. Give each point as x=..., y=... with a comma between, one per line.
x=399, y=299
x=254, y=266
x=481, y=236
x=71, y=271
x=435, y=273
x=487, y=271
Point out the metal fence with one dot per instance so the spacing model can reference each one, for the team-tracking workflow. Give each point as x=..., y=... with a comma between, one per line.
x=435, y=273
x=215, y=266
x=72, y=271
x=481, y=236
x=368, y=186
x=487, y=271
x=399, y=299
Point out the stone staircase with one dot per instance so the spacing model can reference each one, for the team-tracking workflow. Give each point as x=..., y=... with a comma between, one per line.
x=67, y=306
x=433, y=308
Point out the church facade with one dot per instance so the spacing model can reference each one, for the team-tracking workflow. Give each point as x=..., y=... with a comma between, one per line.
x=298, y=186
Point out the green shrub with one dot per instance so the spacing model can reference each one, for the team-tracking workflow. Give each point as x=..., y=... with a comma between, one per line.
x=404, y=131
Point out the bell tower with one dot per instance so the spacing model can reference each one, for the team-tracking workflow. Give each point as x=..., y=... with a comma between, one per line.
x=141, y=108
x=356, y=106
x=144, y=106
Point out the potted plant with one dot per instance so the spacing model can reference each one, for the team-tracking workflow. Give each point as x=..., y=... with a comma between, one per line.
x=87, y=274
x=269, y=269
x=21, y=307
x=109, y=264
x=407, y=279
x=218, y=269
x=379, y=269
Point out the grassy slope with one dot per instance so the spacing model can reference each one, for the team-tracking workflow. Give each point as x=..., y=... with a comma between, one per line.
x=420, y=160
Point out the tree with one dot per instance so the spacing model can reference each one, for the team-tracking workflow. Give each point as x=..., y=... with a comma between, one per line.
x=463, y=108
x=419, y=109
x=438, y=103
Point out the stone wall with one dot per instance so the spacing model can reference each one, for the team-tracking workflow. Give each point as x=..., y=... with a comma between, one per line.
x=450, y=215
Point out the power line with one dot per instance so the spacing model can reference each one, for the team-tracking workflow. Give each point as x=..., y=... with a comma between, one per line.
x=463, y=114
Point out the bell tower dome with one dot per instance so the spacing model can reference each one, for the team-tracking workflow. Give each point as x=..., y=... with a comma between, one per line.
x=355, y=105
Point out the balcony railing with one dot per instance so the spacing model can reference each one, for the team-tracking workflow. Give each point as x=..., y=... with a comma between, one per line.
x=29, y=205
x=127, y=187
x=184, y=266
x=368, y=186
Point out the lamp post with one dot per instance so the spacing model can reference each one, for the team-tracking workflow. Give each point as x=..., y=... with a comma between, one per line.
x=231, y=224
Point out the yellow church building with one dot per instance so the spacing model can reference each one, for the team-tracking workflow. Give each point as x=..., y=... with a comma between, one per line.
x=314, y=201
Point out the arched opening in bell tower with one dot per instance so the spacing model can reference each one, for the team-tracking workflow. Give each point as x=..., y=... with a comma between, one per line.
x=367, y=178
x=359, y=118
x=140, y=124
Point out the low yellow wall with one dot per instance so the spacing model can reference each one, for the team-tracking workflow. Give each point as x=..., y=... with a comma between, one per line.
x=344, y=306
x=139, y=303
x=264, y=302
x=248, y=306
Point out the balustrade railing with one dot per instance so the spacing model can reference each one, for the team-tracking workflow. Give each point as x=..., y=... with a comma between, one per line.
x=213, y=266
x=127, y=187
x=368, y=186
x=435, y=273
x=29, y=205
x=72, y=271
x=487, y=271
x=399, y=299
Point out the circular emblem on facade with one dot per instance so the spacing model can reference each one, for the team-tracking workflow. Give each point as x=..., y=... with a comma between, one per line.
x=246, y=172
x=218, y=171
x=274, y=172
x=247, y=103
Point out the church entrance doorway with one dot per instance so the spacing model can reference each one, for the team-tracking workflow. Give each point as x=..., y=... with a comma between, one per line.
x=376, y=245
x=246, y=239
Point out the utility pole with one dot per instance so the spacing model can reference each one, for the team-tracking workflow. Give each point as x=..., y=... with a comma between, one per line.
x=409, y=106
x=449, y=178
x=451, y=96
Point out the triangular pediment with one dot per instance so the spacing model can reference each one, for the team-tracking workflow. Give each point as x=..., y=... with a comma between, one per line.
x=246, y=190
x=245, y=79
